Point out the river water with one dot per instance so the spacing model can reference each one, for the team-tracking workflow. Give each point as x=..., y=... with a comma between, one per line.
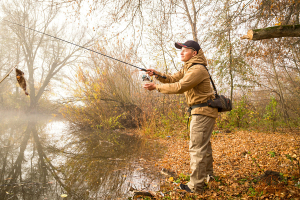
x=42, y=157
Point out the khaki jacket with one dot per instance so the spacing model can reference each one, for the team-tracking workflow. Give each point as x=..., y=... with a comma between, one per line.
x=194, y=82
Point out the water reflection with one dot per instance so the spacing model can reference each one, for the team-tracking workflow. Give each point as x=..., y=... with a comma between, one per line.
x=44, y=160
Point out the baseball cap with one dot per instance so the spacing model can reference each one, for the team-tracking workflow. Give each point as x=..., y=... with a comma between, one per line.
x=191, y=44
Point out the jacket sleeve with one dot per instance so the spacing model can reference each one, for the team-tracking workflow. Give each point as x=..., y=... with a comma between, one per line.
x=170, y=78
x=195, y=75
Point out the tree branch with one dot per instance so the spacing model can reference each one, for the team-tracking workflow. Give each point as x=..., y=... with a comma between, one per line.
x=273, y=32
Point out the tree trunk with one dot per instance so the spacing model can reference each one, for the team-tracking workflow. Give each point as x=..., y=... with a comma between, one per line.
x=273, y=32
x=281, y=96
x=18, y=61
x=228, y=17
x=230, y=68
x=192, y=19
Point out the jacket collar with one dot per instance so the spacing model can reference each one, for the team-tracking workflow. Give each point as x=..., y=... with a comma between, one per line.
x=199, y=59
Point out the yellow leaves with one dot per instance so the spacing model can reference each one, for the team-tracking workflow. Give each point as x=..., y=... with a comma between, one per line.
x=285, y=175
x=236, y=157
x=235, y=185
x=64, y=195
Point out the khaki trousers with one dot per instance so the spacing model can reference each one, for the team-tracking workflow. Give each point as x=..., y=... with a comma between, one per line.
x=201, y=128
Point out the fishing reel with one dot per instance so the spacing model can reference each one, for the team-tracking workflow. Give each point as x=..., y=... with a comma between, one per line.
x=146, y=79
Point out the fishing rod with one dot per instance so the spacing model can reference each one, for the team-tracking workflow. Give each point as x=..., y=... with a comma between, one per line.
x=8, y=73
x=142, y=69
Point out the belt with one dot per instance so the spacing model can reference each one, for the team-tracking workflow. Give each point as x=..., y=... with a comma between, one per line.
x=191, y=108
x=197, y=106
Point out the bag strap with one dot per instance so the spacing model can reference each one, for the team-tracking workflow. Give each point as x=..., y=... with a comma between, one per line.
x=212, y=82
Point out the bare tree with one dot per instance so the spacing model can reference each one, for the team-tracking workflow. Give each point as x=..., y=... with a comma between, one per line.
x=44, y=56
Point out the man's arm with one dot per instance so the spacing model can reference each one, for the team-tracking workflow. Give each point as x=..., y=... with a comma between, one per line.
x=195, y=75
x=170, y=78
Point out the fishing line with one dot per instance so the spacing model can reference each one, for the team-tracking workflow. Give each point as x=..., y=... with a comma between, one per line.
x=81, y=47
x=8, y=73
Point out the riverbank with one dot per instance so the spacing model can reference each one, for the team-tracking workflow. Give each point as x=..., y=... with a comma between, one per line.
x=246, y=164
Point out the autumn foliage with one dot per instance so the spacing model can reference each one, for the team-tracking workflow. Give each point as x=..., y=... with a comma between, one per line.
x=256, y=145
x=105, y=94
x=247, y=164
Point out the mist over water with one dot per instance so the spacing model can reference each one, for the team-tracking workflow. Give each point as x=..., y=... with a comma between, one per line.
x=42, y=157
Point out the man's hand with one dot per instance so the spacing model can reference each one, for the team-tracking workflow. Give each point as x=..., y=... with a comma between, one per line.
x=150, y=86
x=151, y=72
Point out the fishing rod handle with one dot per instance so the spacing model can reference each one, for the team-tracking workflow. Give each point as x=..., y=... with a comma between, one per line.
x=164, y=77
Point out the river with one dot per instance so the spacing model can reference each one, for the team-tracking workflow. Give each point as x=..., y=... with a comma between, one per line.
x=42, y=157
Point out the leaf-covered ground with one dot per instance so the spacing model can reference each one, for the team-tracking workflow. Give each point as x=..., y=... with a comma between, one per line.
x=247, y=165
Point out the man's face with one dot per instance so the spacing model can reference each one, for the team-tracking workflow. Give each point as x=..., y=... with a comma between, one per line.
x=187, y=54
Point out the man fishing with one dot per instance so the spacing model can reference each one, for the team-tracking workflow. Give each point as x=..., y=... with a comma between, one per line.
x=194, y=81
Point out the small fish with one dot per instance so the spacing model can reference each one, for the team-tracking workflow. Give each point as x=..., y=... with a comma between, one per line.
x=21, y=80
